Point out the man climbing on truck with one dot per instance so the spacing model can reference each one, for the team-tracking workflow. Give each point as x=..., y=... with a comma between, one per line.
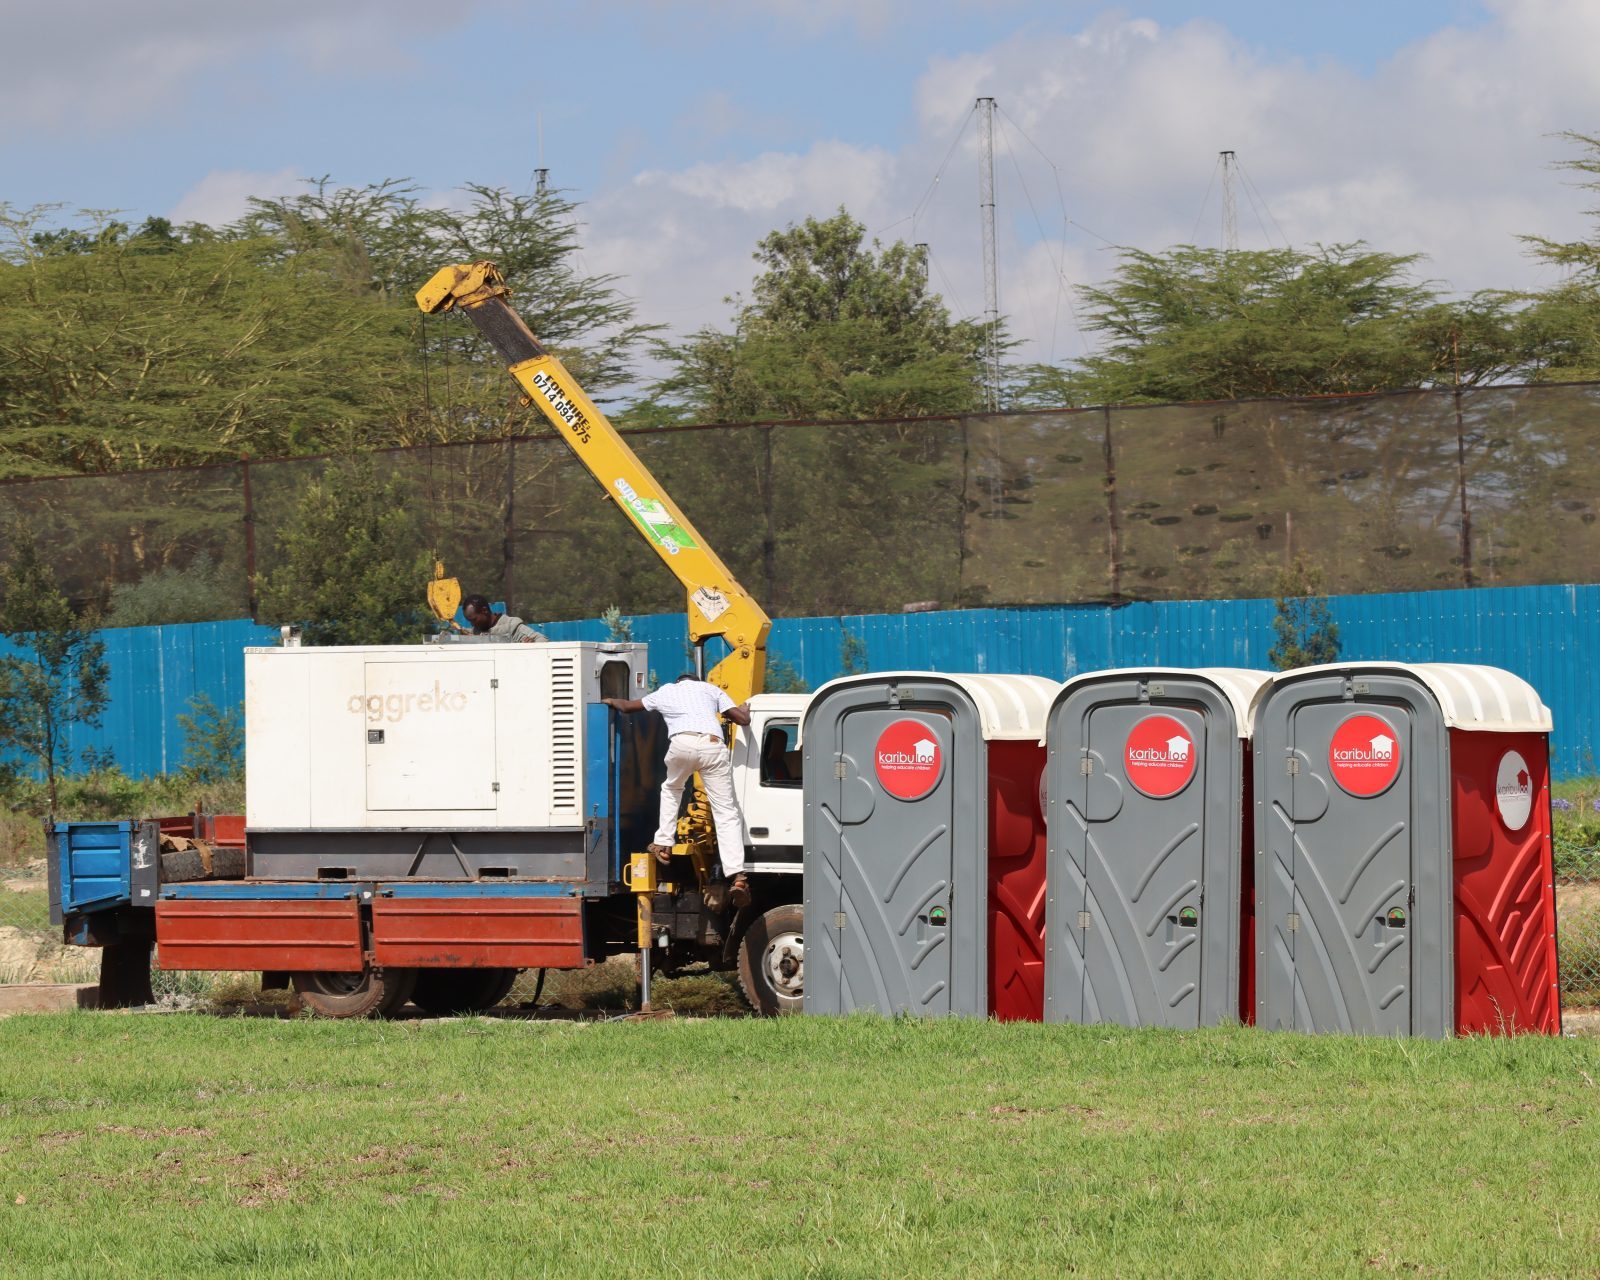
x=691, y=707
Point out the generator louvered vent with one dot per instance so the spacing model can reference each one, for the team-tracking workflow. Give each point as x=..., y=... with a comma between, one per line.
x=564, y=734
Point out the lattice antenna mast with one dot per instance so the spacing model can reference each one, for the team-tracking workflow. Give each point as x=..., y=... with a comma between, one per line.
x=541, y=175
x=1230, y=210
x=991, y=273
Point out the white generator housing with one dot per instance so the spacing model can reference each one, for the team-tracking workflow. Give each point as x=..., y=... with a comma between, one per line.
x=461, y=737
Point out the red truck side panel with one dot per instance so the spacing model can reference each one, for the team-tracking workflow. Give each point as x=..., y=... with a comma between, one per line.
x=1017, y=854
x=292, y=937
x=478, y=933
x=1504, y=891
x=224, y=829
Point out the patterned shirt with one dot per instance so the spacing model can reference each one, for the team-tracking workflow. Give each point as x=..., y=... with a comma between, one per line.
x=690, y=706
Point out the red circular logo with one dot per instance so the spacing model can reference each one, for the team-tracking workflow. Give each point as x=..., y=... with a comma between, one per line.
x=908, y=759
x=1364, y=756
x=1160, y=757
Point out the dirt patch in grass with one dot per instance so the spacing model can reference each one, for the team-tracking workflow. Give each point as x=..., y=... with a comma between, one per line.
x=613, y=987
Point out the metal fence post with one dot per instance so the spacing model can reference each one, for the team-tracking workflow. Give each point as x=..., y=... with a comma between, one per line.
x=1113, y=534
x=249, y=538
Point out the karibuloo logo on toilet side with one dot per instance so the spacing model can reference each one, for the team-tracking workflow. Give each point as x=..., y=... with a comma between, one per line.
x=1364, y=756
x=908, y=759
x=1513, y=791
x=1160, y=757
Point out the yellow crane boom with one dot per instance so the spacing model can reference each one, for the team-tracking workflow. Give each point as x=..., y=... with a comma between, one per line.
x=717, y=605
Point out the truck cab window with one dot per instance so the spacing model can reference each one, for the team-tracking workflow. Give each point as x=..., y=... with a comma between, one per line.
x=780, y=755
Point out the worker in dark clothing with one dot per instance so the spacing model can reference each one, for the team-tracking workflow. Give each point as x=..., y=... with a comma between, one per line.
x=498, y=626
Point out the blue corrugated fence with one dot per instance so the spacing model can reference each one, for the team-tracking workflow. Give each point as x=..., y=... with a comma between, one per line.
x=1547, y=635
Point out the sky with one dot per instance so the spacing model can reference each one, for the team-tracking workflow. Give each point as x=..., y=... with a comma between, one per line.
x=688, y=130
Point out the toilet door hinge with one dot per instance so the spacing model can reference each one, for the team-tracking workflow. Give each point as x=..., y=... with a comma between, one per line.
x=1291, y=766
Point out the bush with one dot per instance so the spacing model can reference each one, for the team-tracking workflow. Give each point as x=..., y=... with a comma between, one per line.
x=214, y=749
x=1306, y=634
x=351, y=567
x=1575, y=827
x=782, y=676
x=197, y=592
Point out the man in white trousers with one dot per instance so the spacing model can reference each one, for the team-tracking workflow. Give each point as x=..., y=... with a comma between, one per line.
x=691, y=708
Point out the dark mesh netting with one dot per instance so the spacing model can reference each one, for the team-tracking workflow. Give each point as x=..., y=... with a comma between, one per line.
x=1490, y=486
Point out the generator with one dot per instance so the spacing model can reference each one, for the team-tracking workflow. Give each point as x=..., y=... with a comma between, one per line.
x=442, y=762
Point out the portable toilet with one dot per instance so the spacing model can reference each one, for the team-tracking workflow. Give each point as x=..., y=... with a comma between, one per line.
x=924, y=844
x=1147, y=805
x=1404, y=872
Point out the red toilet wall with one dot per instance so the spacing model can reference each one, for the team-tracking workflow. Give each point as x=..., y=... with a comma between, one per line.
x=1017, y=848
x=1504, y=892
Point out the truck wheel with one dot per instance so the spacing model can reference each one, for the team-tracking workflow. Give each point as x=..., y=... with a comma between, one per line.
x=772, y=961
x=445, y=991
x=376, y=993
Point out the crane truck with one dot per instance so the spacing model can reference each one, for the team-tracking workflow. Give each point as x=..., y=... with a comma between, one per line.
x=424, y=822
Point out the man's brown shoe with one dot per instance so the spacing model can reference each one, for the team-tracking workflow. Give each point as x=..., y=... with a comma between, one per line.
x=739, y=890
x=663, y=853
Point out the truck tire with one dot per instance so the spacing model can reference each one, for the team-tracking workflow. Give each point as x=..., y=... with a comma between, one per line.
x=442, y=992
x=375, y=993
x=772, y=961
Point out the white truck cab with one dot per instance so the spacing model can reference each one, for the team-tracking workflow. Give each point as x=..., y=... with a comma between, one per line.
x=766, y=778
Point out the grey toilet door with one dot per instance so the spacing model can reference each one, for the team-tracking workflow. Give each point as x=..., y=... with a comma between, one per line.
x=1346, y=923
x=896, y=862
x=1143, y=854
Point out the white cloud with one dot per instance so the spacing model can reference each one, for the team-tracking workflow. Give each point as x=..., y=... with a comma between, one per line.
x=83, y=63
x=870, y=19
x=223, y=194
x=1445, y=149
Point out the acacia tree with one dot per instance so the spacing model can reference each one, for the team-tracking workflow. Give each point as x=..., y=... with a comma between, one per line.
x=56, y=676
x=382, y=241
x=291, y=331
x=834, y=328
x=1565, y=320
x=122, y=350
x=1210, y=324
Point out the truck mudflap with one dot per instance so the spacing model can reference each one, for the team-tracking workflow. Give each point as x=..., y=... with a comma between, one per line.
x=439, y=926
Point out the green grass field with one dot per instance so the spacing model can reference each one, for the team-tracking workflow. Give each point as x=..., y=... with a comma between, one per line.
x=172, y=1145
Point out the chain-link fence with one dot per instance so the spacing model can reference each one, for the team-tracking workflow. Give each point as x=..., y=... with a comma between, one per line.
x=30, y=947
x=1577, y=863
x=1578, y=933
